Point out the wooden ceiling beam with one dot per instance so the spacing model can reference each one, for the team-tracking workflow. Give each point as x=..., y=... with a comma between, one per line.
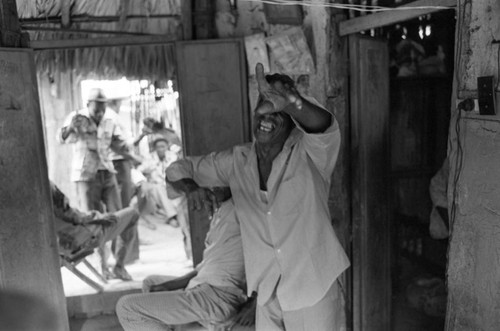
x=91, y=19
x=42, y=45
x=379, y=19
x=89, y=31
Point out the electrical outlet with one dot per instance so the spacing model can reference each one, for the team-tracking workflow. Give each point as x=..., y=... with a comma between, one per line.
x=486, y=95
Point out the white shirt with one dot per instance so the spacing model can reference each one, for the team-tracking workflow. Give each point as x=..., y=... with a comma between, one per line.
x=223, y=255
x=289, y=243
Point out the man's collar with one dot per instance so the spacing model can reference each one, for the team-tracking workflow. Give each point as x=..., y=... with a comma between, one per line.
x=292, y=139
x=157, y=158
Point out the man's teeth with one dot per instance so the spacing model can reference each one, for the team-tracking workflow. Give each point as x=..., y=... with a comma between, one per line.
x=266, y=126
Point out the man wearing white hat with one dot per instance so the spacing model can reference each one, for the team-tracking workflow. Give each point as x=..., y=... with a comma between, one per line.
x=94, y=134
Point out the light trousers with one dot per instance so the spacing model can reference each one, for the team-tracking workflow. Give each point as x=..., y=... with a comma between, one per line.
x=326, y=315
x=159, y=311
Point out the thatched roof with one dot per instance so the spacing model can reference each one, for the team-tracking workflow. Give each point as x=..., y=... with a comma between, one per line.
x=43, y=21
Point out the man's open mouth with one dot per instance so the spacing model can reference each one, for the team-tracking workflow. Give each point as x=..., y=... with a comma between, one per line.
x=266, y=126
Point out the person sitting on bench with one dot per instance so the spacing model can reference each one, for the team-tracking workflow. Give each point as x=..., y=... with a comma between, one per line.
x=211, y=294
x=81, y=232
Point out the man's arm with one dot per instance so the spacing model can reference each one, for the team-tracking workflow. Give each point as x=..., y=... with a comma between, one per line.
x=66, y=131
x=198, y=197
x=120, y=146
x=312, y=118
x=69, y=128
x=64, y=211
x=145, y=132
x=192, y=175
x=246, y=314
x=174, y=284
x=278, y=97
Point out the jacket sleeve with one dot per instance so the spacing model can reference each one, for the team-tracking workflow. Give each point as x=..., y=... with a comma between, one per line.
x=323, y=148
x=209, y=170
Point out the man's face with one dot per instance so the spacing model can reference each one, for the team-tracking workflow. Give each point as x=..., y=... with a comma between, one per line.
x=161, y=148
x=273, y=128
x=96, y=110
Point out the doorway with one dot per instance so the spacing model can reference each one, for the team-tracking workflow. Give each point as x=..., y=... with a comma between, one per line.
x=158, y=247
x=204, y=103
x=401, y=83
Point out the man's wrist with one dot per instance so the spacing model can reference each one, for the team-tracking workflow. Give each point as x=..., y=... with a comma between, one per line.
x=298, y=103
x=252, y=297
x=190, y=185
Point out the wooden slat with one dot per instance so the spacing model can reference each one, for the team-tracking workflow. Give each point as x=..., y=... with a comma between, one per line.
x=369, y=89
x=379, y=19
x=10, y=34
x=124, y=7
x=214, y=108
x=186, y=21
x=29, y=259
x=39, y=45
x=66, y=14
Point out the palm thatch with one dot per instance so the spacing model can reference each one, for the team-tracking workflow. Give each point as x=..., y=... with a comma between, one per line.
x=42, y=19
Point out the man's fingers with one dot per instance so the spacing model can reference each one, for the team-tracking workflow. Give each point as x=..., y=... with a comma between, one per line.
x=215, y=202
x=195, y=201
x=261, y=77
x=265, y=107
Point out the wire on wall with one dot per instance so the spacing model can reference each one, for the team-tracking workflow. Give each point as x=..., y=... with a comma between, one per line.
x=360, y=8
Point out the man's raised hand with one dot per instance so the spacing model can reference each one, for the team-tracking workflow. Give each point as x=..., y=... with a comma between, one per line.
x=275, y=97
x=203, y=198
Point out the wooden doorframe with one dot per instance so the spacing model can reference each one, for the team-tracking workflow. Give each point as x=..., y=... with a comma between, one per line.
x=371, y=302
x=201, y=142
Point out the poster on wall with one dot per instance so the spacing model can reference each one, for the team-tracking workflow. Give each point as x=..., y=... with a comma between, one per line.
x=256, y=50
x=279, y=14
x=290, y=53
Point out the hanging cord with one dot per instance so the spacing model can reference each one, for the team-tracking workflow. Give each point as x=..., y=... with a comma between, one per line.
x=360, y=8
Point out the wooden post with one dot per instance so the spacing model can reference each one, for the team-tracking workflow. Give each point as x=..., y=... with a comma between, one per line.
x=187, y=22
x=29, y=260
x=204, y=19
x=10, y=31
x=340, y=192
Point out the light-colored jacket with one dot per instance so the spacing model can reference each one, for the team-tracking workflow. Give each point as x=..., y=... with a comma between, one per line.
x=92, y=148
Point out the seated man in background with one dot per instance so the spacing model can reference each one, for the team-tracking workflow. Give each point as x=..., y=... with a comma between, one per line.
x=154, y=197
x=157, y=128
x=78, y=231
x=211, y=294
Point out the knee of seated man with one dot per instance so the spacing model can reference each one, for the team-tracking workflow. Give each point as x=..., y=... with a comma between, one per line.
x=128, y=213
x=147, y=283
x=125, y=305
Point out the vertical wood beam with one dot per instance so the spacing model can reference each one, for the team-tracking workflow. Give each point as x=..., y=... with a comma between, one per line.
x=29, y=261
x=204, y=19
x=66, y=14
x=340, y=192
x=124, y=9
x=10, y=30
x=187, y=21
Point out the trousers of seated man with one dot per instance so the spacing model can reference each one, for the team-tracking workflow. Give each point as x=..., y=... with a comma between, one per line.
x=152, y=196
x=124, y=228
x=153, y=199
x=90, y=236
x=205, y=304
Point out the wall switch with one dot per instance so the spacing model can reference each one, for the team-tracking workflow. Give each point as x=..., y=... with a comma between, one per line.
x=486, y=95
